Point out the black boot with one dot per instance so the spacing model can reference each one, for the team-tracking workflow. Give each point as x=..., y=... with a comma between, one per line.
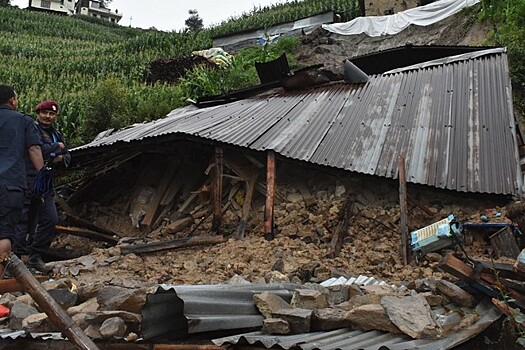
x=35, y=261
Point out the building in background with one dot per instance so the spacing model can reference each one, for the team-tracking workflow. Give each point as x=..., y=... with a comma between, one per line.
x=93, y=8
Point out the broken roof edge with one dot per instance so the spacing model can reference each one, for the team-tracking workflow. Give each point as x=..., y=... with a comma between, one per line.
x=449, y=60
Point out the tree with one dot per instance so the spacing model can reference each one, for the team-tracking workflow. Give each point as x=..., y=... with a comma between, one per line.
x=4, y=3
x=194, y=22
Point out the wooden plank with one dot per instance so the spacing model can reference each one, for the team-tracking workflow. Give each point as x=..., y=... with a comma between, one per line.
x=250, y=189
x=153, y=207
x=217, y=190
x=12, y=285
x=182, y=223
x=403, y=208
x=345, y=218
x=81, y=232
x=504, y=243
x=172, y=244
x=458, y=268
x=269, y=232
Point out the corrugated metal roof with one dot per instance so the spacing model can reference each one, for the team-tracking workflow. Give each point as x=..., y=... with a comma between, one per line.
x=451, y=120
x=348, y=339
x=176, y=311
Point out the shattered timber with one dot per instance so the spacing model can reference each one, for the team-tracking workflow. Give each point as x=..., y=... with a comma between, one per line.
x=289, y=218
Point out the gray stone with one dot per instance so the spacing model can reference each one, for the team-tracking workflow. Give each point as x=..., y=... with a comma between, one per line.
x=275, y=326
x=309, y=299
x=63, y=297
x=433, y=299
x=412, y=315
x=276, y=277
x=80, y=320
x=7, y=298
x=88, y=291
x=455, y=293
x=236, y=279
x=38, y=323
x=369, y=317
x=19, y=311
x=298, y=319
x=93, y=331
x=359, y=300
x=63, y=283
x=268, y=303
x=117, y=298
x=113, y=327
x=88, y=306
x=329, y=319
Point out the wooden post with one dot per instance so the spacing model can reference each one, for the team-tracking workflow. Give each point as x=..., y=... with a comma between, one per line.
x=270, y=196
x=217, y=190
x=403, y=208
x=56, y=314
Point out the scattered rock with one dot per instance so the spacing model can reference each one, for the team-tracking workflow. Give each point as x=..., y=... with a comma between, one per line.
x=298, y=319
x=268, y=303
x=369, y=317
x=412, y=315
x=113, y=327
x=309, y=299
x=275, y=326
x=329, y=319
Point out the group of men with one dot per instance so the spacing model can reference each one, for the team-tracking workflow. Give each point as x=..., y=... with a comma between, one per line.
x=26, y=146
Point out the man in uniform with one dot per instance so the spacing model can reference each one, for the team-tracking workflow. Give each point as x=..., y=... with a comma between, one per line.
x=54, y=150
x=19, y=139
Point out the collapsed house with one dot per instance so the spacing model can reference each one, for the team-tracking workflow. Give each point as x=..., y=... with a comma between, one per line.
x=449, y=115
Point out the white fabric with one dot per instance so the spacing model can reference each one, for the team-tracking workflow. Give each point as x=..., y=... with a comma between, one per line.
x=393, y=24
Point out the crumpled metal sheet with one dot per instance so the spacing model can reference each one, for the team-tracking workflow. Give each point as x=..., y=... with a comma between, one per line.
x=348, y=339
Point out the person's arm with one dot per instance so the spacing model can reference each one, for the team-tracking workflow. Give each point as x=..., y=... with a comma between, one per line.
x=35, y=156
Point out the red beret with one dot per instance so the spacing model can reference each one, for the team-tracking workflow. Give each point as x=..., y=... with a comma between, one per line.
x=48, y=105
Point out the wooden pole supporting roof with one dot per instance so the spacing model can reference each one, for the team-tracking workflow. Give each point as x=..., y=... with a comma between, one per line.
x=217, y=190
x=269, y=233
x=403, y=208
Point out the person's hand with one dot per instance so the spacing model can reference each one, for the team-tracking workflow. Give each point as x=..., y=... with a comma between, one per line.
x=61, y=145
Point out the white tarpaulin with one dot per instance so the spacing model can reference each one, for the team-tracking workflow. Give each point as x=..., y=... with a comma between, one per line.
x=393, y=24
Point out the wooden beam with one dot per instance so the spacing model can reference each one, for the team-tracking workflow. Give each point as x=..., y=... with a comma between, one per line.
x=345, y=218
x=172, y=244
x=185, y=222
x=217, y=190
x=153, y=208
x=269, y=232
x=250, y=189
x=12, y=285
x=81, y=232
x=403, y=208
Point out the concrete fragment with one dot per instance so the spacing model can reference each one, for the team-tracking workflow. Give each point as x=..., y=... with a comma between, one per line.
x=329, y=319
x=268, y=303
x=19, y=311
x=118, y=298
x=113, y=327
x=275, y=326
x=412, y=315
x=298, y=319
x=359, y=300
x=369, y=317
x=309, y=299
x=455, y=293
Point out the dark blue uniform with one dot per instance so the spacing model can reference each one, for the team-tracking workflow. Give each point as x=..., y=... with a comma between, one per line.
x=47, y=218
x=18, y=132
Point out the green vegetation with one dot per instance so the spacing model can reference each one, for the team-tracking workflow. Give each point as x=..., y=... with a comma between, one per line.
x=96, y=70
x=264, y=17
x=508, y=20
